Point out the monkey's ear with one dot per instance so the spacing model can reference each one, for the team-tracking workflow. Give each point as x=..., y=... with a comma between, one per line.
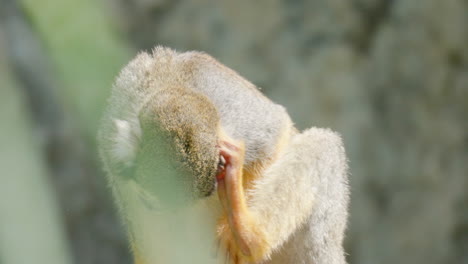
x=126, y=140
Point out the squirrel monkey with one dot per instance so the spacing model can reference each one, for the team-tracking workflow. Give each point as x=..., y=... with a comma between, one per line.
x=185, y=120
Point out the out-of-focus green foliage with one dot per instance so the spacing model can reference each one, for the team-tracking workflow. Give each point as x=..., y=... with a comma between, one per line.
x=31, y=230
x=86, y=52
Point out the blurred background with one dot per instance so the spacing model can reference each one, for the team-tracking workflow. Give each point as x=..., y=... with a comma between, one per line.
x=390, y=75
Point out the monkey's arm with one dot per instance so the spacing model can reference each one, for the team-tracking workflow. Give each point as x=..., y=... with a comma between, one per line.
x=308, y=182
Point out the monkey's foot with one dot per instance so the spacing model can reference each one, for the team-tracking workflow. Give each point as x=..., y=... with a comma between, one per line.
x=238, y=232
x=229, y=245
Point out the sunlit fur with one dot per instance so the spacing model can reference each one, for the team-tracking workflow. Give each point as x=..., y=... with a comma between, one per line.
x=182, y=105
x=301, y=200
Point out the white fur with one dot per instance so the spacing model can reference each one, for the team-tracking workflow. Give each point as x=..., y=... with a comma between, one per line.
x=125, y=140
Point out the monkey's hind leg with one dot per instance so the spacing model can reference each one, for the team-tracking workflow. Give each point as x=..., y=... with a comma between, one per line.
x=305, y=188
x=237, y=230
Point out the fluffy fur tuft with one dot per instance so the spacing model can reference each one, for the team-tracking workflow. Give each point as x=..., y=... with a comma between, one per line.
x=126, y=140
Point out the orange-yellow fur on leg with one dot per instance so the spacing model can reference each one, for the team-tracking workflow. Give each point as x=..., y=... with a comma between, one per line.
x=255, y=240
x=238, y=231
x=250, y=230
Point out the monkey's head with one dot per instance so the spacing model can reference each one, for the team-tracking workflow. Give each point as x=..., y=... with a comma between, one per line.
x=176, y=153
